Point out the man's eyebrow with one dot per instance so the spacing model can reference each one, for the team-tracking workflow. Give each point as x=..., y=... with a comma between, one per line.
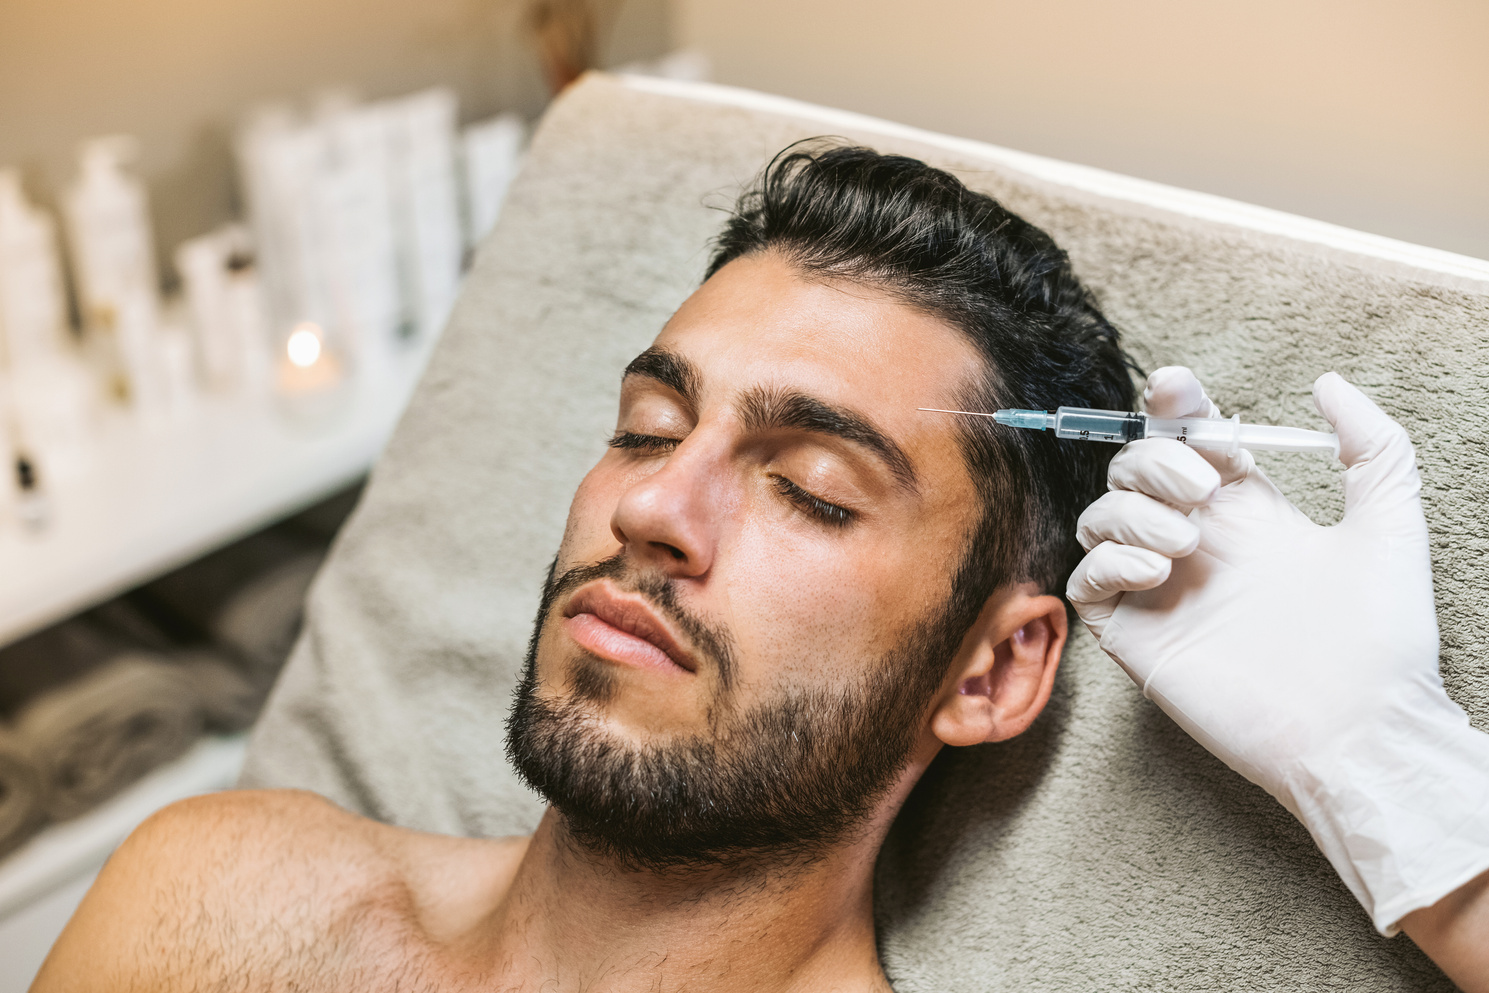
x=671, y=370
x=766, y=409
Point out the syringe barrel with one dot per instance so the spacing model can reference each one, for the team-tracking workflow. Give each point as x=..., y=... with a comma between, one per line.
x=1085, y=424
x=1219, y=434
x=1227, y=435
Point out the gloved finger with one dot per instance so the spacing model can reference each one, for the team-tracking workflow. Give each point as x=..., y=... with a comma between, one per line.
x=1107, y=572
x=1096, y=614
x=1096, y=586
x=1165, y=470
x=1137, y=519
x=1175, y=391
x=1380, y=475
x=1111, y=568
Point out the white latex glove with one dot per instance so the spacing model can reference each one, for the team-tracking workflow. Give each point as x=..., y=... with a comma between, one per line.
x=1304, y=657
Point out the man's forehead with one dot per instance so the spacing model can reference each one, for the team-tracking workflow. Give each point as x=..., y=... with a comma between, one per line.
x=760, y=321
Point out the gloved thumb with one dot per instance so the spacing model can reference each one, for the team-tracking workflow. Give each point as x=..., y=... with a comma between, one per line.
x=1380, y=475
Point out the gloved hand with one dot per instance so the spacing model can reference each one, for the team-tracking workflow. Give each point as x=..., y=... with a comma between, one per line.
x=1304, y=657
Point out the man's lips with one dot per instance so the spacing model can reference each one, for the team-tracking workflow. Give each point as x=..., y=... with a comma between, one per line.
x=623, y=627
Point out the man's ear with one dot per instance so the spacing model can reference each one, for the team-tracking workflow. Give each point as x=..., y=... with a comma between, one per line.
x=1004, y=670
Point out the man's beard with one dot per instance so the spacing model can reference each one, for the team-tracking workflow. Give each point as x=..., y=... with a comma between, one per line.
x=768, y=787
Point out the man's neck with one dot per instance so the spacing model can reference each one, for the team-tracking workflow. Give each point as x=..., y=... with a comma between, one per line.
x=573, y=917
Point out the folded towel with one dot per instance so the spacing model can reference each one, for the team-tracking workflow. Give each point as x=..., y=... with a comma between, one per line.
x=100, y=700
x=95, y=736
x=228, y=696
x=22, y=791
x=190, y=597
x=318, y=524
x=260, y=621
x=188, y=602
x=53, y=658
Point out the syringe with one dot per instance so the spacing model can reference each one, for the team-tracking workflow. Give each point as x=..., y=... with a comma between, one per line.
x=1121, y=426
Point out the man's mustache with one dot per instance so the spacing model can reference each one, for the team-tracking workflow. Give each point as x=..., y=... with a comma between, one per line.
x=711, y=643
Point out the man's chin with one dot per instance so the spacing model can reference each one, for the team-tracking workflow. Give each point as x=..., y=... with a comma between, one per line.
x=591, y=680
x=769, y=789
x=628, y=701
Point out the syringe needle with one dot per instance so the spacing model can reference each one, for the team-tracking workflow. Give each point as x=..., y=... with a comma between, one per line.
x=969, y=413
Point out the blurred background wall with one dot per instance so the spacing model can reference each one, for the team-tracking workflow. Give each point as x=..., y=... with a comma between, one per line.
x=1369, y=113
x=178, y=74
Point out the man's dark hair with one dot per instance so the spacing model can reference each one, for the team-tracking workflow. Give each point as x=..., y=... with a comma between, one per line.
x=919, y=233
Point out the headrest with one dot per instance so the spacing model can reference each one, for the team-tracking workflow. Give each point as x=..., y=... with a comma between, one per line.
x=1101, y=850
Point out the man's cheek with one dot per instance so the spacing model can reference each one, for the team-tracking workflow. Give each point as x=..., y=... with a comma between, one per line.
x=805, y=606
x=551, y=659
x=587, y=535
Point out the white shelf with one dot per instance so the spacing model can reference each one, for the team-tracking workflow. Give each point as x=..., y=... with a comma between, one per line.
x=63, y=852
x=150, y=499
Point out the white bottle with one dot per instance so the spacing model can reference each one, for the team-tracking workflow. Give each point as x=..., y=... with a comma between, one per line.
x=10, y=493
x=281, y=160
x=359, y=246
x=114, y=262
x=426, y=202
x=492, y=154
x=227, y=316
x=32, y=308
x=53, y=401
x=287, y=169
x=21, y=493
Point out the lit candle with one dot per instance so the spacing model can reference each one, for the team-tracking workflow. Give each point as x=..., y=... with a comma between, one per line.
x=307, y=365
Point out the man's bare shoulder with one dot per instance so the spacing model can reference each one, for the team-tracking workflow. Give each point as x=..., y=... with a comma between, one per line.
x=274, y=889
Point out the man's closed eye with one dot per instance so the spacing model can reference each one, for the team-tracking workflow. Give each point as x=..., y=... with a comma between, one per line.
x=646, y=444
x=814, y=506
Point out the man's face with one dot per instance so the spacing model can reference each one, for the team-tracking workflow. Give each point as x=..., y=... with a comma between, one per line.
x=766, y=548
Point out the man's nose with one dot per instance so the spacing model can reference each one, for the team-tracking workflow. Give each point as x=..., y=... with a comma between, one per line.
x=667, y=520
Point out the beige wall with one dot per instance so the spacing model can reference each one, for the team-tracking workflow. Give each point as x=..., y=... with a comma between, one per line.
x=1368, y=113
x=179, y=73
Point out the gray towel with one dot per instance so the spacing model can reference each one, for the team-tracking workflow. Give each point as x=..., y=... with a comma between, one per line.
x=22, y=791
x=1104, y=849
x=99, y=734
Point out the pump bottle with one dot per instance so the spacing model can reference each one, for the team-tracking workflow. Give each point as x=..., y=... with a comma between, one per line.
x=51, y=396
x=109, y=230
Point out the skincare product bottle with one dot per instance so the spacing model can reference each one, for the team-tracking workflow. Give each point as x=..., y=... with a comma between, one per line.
x=226, y=315
x=285, y=163
x=32, y=506
x=426, y=202
x=9, y=492
x=279, y=160
x=360, y=249
x=113, y=257
x=32, y=309
x=20, y=483
x=491, y=152
x=54, y=398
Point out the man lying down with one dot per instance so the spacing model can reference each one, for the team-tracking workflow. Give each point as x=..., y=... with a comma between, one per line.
x=781, y=592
